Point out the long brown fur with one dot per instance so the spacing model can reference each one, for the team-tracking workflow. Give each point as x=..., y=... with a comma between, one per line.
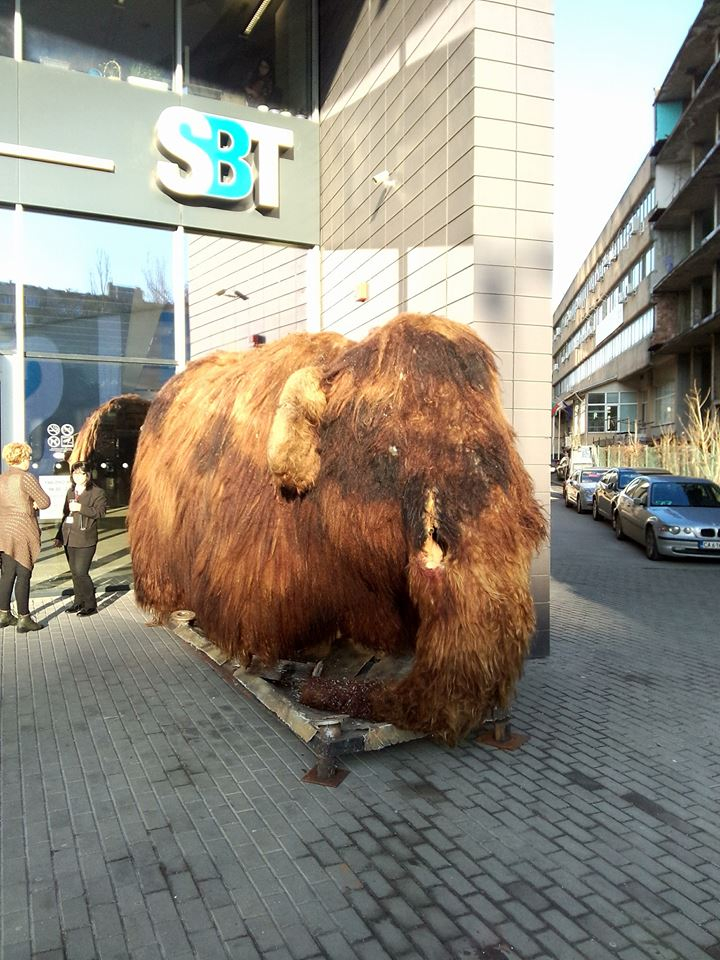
x=396, y=510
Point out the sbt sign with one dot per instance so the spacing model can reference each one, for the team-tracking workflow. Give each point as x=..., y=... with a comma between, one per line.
x=219, y=159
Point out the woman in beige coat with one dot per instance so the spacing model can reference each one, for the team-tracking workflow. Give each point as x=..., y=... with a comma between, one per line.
x=20, y=497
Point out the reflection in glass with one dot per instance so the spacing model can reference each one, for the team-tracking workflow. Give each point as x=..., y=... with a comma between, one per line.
x=97, y=289
x=118, y=39
x=6, y=28
x=60, y=394
x=228, y=54
x=7, y=283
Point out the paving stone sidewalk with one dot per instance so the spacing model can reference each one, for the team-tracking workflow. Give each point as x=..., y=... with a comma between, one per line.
x=152, y=810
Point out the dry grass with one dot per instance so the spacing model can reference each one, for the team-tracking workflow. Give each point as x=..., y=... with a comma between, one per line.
x=695, y=453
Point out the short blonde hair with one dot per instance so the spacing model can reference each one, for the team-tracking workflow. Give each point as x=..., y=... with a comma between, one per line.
x=15, y=453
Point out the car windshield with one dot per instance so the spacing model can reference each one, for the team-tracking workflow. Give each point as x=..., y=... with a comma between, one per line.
x=685, y=493
x=588, y=475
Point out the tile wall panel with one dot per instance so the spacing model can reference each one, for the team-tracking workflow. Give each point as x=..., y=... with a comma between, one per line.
x=273, y=278
x=454, y=98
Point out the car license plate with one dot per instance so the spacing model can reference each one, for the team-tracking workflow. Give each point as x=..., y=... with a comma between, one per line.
x=710, y=544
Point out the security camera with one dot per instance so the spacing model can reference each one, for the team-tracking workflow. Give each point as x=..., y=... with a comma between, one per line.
x=383, y=177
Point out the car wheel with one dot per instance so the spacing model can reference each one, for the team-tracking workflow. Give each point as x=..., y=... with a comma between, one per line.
x=578, y=504
x=595, y=511
x=651, y=547
x=617, y=526
x=567, y=501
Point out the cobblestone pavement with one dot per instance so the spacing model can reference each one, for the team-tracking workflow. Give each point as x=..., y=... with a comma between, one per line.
x=152, y=810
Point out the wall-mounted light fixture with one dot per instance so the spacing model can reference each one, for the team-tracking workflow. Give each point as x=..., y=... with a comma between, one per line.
x=384, y=178
x=235, y=294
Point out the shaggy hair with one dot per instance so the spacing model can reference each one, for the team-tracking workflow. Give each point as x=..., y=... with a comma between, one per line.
x=128, y=408
x=15, y=452
x=318, y=486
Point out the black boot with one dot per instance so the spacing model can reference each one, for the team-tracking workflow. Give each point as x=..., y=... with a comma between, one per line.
x=26, y=624
x=7, y=619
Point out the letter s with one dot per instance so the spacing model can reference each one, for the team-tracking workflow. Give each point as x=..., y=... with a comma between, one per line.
x=191, y=173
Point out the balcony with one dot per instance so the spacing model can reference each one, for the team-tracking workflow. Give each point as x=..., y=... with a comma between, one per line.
x=697, y=122
x=693, y=194
x=698, y=263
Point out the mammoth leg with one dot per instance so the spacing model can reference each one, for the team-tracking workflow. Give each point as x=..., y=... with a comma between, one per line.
x=463, y=668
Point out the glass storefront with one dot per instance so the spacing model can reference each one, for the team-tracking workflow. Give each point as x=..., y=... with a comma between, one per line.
x=59, y=395
x=255, y=53
x=98, y=323
x=98, y=289
x=123, y=41
x=98, y=320
x=7, y=282
x=90, y=309
x=6, y=27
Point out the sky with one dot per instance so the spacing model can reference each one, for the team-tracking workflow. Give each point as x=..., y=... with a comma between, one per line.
x=610, y=57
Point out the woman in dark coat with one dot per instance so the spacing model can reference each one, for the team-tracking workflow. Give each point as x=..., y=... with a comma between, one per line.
x=21, y=496
x=85, y=503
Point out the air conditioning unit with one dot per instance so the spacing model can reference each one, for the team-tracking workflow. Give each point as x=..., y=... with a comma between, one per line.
x=613, y=255
x=622, y=298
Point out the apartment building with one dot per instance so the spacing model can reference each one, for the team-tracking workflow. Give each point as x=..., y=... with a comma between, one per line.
x=639, y=326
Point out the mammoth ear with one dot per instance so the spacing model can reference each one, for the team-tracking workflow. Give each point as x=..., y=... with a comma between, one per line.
x=292, y=453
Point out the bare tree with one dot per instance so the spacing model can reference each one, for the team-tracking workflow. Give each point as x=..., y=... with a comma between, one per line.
x=100, y=276
x=157, y=287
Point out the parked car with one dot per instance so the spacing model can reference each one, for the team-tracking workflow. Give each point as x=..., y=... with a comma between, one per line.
x=673, y=516
x=579, y=487
x=612, y=482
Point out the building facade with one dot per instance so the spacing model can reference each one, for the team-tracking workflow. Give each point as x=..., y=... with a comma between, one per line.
x=218, y=175
x=639, y=328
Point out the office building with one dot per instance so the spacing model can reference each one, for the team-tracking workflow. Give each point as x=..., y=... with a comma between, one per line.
x=180, y=176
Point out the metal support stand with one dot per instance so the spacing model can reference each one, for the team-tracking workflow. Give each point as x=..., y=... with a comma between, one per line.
x=326, y=773
x=498, y=733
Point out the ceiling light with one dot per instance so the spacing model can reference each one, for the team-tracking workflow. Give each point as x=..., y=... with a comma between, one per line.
x=262, y=7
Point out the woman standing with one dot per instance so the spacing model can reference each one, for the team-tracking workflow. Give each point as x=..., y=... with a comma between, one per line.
x=85, y=503
x=21, y=496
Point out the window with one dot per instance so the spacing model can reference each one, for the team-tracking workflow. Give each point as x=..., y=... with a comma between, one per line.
x=641, y=327
x=612, y=411
x=97, y=289
x=677, y=494
x=61, y=393
x=7, y=283
x=664, y=404
x=640, y=491
x=6, y=28
x=126, y=41
x=263, y=62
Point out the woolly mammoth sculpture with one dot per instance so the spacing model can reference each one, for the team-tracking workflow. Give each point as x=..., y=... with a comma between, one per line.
x=319, y=487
